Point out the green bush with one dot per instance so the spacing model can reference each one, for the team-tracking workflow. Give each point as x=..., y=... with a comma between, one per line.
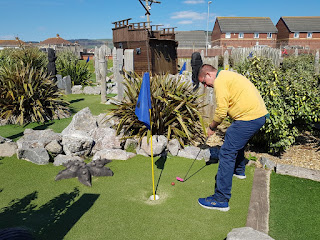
x=28, y=56
x=27, y=94
x=291, y=96
x=175, y=110
x=68, y=64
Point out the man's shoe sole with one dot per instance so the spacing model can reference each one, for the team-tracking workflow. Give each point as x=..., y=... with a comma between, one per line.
x=239, y=176
x=226, y=209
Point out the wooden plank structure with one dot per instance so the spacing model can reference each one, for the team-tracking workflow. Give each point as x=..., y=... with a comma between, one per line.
x=155, y=50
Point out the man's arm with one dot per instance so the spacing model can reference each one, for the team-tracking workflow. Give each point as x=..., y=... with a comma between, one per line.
x=212, y=128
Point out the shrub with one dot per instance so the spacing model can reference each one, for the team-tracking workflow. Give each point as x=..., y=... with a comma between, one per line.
x=68, y=64
x=291, y=96
x=28, y=56
x=27, y=94
x=175, y=110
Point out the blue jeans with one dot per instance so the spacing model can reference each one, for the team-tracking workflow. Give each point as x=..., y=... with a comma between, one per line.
x=231, y=155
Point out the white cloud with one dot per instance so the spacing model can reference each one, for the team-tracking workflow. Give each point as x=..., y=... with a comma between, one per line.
x=143, y=16
x=194, y=1
x=185, y=22
x=189, y=15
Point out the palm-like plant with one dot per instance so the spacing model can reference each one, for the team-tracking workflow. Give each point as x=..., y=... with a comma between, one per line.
x=28, y=95
x=30, y=55
x=175, y=110
x=68, y=64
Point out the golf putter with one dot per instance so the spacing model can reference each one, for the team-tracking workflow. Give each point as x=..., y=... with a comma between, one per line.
x=182, y=179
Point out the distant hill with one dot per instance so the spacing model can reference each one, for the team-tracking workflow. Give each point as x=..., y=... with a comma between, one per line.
x=91, y=43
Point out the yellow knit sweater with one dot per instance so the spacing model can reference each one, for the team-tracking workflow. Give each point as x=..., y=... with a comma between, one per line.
x=237, y=97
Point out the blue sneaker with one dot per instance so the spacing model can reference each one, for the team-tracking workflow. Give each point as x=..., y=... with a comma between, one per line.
x=240, y=176
x=210, y=203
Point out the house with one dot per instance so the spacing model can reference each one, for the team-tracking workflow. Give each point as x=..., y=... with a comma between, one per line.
x=11, y=43
x=233, y=32
x=191, y=41
x=155, y=49
x=299, y=32
x=60, y=44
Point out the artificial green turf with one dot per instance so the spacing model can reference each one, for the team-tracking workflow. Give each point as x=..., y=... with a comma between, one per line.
x=118, y=207
x=295, y=208
x=77, y=102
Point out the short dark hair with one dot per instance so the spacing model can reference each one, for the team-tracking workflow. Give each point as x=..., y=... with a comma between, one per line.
x=204, y=69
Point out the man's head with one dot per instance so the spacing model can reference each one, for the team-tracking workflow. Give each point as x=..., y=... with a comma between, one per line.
x=207, y=75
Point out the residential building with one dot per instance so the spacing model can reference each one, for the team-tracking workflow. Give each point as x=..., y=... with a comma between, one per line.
x=60, y=44
x=11, y=43
x=233, y=32
x=299, y=32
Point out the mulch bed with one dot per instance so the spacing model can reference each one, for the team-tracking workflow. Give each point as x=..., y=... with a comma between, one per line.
x=304, y=153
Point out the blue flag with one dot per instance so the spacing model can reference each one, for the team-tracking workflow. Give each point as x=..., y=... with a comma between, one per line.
x=183, y=68
x=144, y=101
x=88, y=59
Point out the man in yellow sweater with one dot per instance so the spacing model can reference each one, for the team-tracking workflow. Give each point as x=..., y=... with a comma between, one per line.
x=238, y=98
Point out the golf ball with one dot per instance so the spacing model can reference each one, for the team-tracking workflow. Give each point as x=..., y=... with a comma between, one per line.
x=172, y=183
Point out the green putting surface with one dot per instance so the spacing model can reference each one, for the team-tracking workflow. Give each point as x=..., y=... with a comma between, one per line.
x=118, y=207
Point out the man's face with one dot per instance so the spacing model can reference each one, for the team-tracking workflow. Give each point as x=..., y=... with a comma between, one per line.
x=206, y=80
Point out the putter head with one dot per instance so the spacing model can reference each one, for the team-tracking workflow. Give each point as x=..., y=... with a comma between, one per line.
x=180, y=179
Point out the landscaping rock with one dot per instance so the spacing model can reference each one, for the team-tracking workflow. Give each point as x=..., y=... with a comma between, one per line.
x=106, y=121
x=96, y=90
x=77, y=89
x=247, y=233
x=8, y=149
x=174, y=147
x=298, y=172
x=3, y=140
x=140, y=151
x=81, y=121
x=54, y=147
x=37, y=138
x=38, y=156
x=190, y=152
x=64, y=159
x=77, y=144
x=159, y=144
x=105, y=138
x=267, y=163
x=131, y=144
x=116, y=154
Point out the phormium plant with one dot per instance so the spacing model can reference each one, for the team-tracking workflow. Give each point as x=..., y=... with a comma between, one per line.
x=175, y=110
x=27, y=94
x=68, y=64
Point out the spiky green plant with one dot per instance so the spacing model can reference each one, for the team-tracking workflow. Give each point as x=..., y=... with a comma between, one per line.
x=68, y=64
x=30, y=55
x=175, y=110
x=28, y=95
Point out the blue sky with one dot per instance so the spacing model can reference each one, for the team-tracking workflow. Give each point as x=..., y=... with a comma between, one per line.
x=37, y=20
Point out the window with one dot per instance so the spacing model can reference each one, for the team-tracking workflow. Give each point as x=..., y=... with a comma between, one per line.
x=269, y=35
x=241, y=35
x=228, y=35
x=296, y=35
x=256, y=35
x=309, y=35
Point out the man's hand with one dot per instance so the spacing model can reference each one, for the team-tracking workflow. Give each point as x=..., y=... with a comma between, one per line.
x=209, y=132
x=211, y=128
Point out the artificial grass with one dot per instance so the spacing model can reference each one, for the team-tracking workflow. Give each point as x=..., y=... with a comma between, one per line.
x=118, y=207
x=294, y=208
x=77, y=102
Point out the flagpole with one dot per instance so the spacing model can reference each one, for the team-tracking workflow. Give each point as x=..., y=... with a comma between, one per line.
x=154, y=194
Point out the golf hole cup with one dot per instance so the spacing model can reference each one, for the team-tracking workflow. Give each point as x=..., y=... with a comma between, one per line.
x=154, y=197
